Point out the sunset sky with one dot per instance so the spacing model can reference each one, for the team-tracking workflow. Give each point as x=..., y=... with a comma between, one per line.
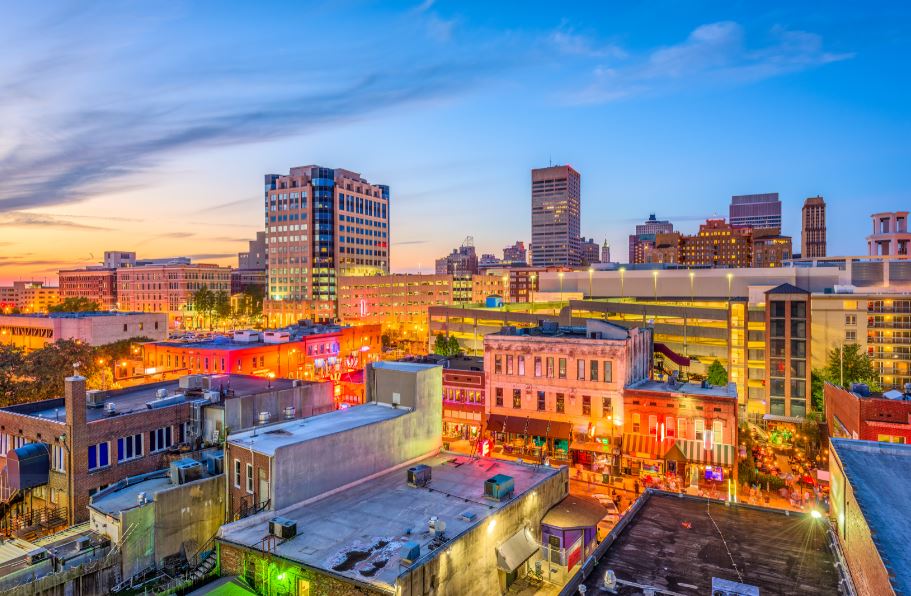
x=148, y=126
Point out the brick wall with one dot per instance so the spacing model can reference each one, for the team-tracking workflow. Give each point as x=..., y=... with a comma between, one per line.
x=843, y=405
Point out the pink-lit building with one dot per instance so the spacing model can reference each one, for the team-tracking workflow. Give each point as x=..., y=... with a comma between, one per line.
x=169, y=288
x=557, y=392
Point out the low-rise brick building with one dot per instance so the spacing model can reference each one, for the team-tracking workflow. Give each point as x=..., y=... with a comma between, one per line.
x=859, y=414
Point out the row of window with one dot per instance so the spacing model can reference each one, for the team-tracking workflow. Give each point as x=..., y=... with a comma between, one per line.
x=545, y=367
x=559, y=402
x=129, y=448
x=676, y=427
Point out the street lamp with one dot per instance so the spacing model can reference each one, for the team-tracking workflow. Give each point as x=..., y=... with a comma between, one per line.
x=655, y=283
x=505, y=289
x=730, y=277
x=591, y=270
x=531, y=291
x=560, y=275
x=692, y=289
x=622, y=273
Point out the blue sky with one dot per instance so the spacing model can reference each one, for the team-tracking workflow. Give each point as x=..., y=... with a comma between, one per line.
x=148, y=126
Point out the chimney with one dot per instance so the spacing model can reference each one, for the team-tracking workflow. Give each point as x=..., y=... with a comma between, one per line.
x=75, y=401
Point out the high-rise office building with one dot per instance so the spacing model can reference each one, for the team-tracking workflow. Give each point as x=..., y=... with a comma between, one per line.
x=756, y=211
x=591, y=251
x=321, y=223
x=556, y=207
x=645, y=236
x=605, y=252
x=255, y=257
x=461, y=261
x=813, y=228
x=516, y=254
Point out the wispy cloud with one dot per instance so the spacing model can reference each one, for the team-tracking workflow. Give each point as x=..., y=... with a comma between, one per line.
x=567, y=40
x=408, y=242
x=713, y=54
x=21, y=219
x=213, y=255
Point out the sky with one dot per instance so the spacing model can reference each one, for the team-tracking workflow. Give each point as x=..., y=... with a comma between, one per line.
x=148, y=126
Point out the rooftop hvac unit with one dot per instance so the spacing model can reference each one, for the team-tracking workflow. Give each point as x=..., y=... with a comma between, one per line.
x=263, y=417
x=94, y=398
x=212, y=396
x=499, y=487
x=185, y=470
x=288, y=412
x=191, y=382
x=110, y=408
x=163, y=402
x=83, y=543
x=161, y=393
x=282, y=527
x=726, y=587
x=409, y=553
x=276, y=337
x=215, y=463
x=419, y=475
x=142, y=498
x=36, y=556
x=246, y=336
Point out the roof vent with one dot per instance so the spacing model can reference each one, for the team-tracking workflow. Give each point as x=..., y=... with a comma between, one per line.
x=263, y=418
x=142, y=498
x=289, y=412
x=499, y=487
x=419, y=475
x=110, y=409
x=161, y=393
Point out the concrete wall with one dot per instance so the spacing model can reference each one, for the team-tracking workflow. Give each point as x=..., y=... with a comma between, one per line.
x=304, y=470
x=137, y=529
x=468, y=564
x=187, y=516
x=308, y=400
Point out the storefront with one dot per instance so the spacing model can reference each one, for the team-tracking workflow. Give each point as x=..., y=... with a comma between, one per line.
x=715, y=463
x=643, y=455
x=530, y=437
x=462, y=421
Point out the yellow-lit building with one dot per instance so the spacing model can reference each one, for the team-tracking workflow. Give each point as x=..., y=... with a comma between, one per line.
x=28, y=297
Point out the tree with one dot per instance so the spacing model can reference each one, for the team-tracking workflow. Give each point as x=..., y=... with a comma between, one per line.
x=203, y=301
x=441, y=345
x=221, y=306
x=453, y=346
x=12, y=384
x=717, y=375
x=75, y=304
x=845, y=365
x=47, y=367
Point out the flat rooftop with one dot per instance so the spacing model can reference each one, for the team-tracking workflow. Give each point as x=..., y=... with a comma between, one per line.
x=358, y=533
x=134, y=399
x=80, y=315
x=671, y=543
x=880, y=475
x=297, y=334
x=268, y=439
x=125, y=494
x=686, y=388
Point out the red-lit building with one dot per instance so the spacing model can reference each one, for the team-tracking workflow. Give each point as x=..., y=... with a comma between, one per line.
x=858, y=414
x=311, y=352
x=682, y=431
x=463, y=395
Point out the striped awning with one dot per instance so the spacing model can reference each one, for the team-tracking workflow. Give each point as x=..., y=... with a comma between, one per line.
x=645, y=446
x=716, y=455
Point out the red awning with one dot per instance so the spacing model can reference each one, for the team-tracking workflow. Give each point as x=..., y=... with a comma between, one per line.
x=646, y=446
x=672, y=355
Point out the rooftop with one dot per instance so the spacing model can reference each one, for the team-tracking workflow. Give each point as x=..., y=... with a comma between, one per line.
x=81, y=315
x=134, y=399
x=787, y=289
x=680, y=543
x=450, y=362
x=880, y=475
x=593, y=330
x=124, y=495
x=729, y=390
x=297, y=333
x=268, y=439
x=358, y=533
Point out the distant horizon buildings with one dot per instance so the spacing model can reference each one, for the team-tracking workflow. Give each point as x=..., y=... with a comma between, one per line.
x=591, y=252
x=813, y=228
x=461, y=261
x=719, y=244
x=890, y=235
x=321, y=223
x=556, y=211
x=756, y=211
x=516, y=254
x=646, y=234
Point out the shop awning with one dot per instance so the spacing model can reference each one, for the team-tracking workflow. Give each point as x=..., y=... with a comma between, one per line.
x=592, y=446
x=717, y=455
x=786, y=419
x=645, y=446
x=674, y=454
x=516, y=550
x=532, y=427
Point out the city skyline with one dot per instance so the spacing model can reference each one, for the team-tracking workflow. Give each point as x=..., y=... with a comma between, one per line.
x=170, y=162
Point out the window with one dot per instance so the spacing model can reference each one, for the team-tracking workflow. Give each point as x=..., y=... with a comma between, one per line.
x=250, y=478
x=798, y=310
x=236, y=473
x=550, y=367
x=890, y=439
x=498, y=392
x=606, y=408
x=4, y=444
x=521, y=361
x=717, y=432
x=58, y=459
x=851, y=320
x=586, y=405
x=653, y=425
x=669, y=429
x=593, y=370
x=561, y=370
x=681, y=427
x=129, y=447
x=561, y=404
x=851, y=335
x=517, y=398
x=636, y=422
x=99, y=456
x=542, y=402
x=510, y=370
x=699, y=426
x=498, y=364
x=160, y=439
x=580, y=370
x=608, y=371
x=537, y=366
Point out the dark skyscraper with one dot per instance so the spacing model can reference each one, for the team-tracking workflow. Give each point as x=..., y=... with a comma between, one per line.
x=756, y=211
x=813, y=228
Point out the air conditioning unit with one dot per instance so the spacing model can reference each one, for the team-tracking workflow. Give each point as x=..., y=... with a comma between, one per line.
x=282, y=527
x=83, y=543
x=191, y=382
x=212, y=396
x=36, y=556
x=110, y=408
x=409, y=553
x=499, y=487
x=726, y=587
x=419, y=475
x=185, y=470
x=161, y=393
x=215, y=463
x=94, y=398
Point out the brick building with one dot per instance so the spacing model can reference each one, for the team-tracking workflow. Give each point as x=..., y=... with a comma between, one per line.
x=169, y=287
x=463, y=395
x=552, y=389
x=94, y=283
x=28, y=297
x=858, y=414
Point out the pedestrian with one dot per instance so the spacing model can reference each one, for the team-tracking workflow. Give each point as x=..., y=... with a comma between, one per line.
x=637, y=487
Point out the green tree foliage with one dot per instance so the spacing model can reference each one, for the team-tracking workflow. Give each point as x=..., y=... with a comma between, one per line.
x=77, y=304
x=47, y=367
x=453, y=346
x=12, y=385
x=845, y=365
x=441, y=345
x=717, y=375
